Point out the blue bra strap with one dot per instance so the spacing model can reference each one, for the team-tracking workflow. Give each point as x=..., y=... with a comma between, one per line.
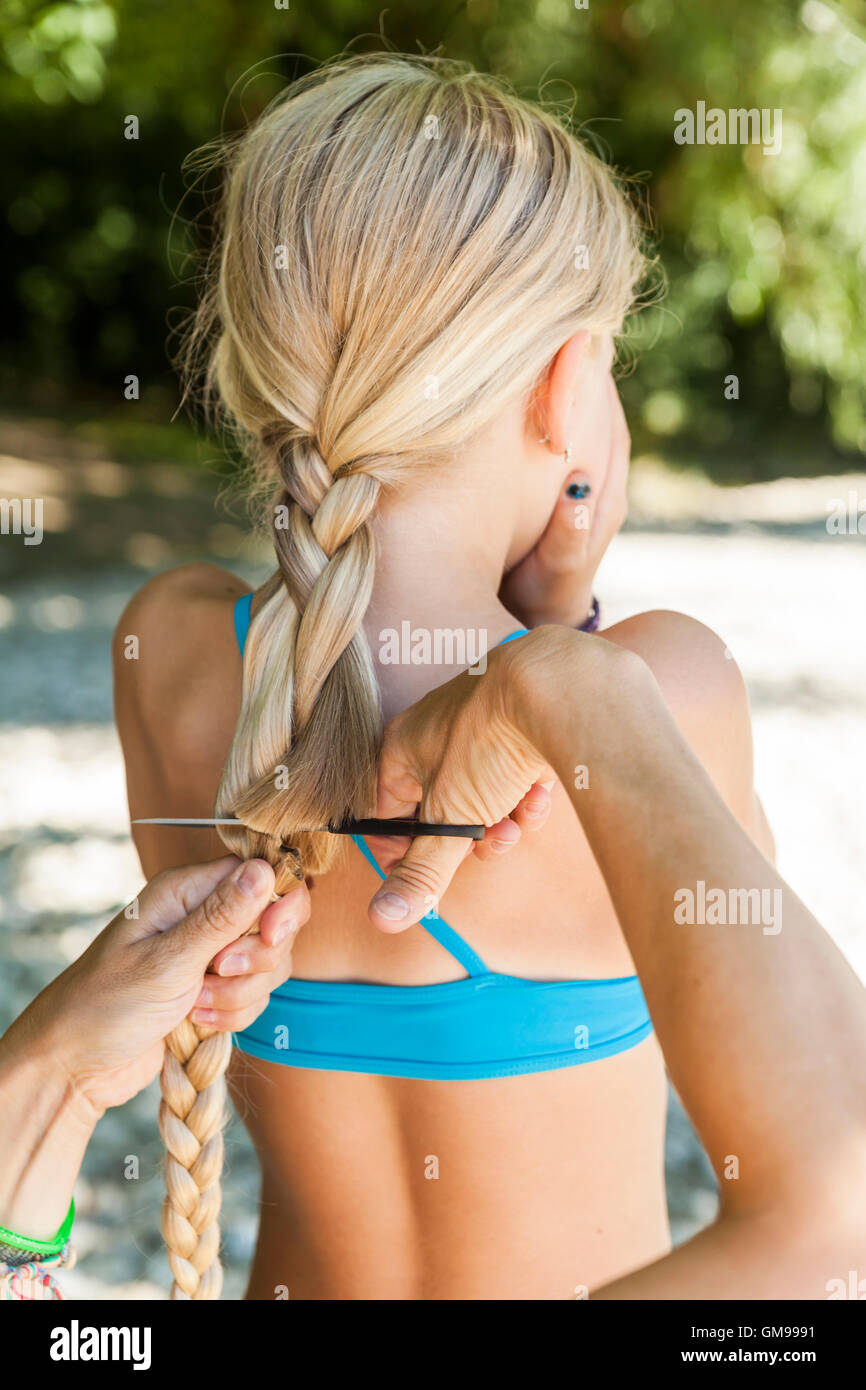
x=438, y=929
x=242, y=619
x=242, y=624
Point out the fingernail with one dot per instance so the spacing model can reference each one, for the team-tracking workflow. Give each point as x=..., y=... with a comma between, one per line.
x=250, y=877
x=392, y=906
x=234, y=965
x=578, y=490
x=203, y=1016
x=537, y=810
x=498, y=847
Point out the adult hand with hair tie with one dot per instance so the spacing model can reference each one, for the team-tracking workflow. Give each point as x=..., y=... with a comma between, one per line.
x=733, y=1039
x=459, y=754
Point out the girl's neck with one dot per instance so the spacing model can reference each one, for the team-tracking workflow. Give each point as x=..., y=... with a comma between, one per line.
x=439, y=564
x=440, y=558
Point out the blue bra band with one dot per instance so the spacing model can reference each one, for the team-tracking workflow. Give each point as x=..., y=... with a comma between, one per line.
x=465, y=1030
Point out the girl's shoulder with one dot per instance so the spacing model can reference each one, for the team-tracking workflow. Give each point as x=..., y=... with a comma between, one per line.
x=706, y=693
x=172, y=623
x=177, y=685
x=169, y=595
x=695, y=669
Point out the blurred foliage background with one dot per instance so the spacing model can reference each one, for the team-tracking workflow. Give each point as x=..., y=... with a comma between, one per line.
x=764, y=257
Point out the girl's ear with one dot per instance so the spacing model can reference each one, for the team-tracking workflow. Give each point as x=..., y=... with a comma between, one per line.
x=554, y=397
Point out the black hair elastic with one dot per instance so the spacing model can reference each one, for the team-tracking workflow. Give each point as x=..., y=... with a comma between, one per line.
x=413, y=828
x=370, y=826
x=382, y=826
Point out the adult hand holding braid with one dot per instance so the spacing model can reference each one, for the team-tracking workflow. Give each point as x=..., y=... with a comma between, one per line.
x=727, y=1003
x=94, y=1037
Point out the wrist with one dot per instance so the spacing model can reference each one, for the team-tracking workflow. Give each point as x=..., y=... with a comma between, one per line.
x=573, y=614
x=48, y=1125
x=46, y=1038
x=583, y=607
x=544, y=665
x=562, y=689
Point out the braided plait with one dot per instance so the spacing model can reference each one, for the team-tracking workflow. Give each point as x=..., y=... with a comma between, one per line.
x=324, y=548
x=326, y=557
x=327, y=538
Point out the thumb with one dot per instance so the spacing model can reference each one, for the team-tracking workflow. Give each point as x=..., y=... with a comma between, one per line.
x=415, y=884
x=230, y=910
x=570, y=523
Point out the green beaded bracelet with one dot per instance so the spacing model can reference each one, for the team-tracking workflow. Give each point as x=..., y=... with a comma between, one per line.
x=40, y=1247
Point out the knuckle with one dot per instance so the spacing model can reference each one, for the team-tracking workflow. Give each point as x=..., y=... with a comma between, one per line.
x=421, y=879
x=260, y=956
x=223, y=993
x=440, y=805
x=269, y=958
x=277, y=965
x=166, y=878
x=168, y=885
x=239, y=994
x=215, y=910
x=567, y=565
x=242, y=1018
x=303, y=910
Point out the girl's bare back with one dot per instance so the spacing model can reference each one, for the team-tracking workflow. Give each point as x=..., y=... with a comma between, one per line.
x=538, y=1186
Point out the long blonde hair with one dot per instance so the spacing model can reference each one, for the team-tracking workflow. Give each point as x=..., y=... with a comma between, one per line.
x=403, y=245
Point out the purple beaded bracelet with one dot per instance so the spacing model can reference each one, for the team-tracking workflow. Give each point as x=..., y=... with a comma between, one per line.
x=593, y=621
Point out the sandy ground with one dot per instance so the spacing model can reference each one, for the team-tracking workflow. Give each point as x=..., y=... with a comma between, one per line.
x=757, y=564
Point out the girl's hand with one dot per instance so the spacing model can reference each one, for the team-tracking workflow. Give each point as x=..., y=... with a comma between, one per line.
x=554, y=583
x=103, y=1021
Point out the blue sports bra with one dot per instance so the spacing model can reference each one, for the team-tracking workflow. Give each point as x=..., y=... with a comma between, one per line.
x=465, y=1030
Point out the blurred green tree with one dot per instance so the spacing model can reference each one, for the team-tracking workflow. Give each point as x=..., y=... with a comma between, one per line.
x=764, y=256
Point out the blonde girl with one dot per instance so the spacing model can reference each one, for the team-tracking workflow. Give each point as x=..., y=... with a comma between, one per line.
x=409, y=318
